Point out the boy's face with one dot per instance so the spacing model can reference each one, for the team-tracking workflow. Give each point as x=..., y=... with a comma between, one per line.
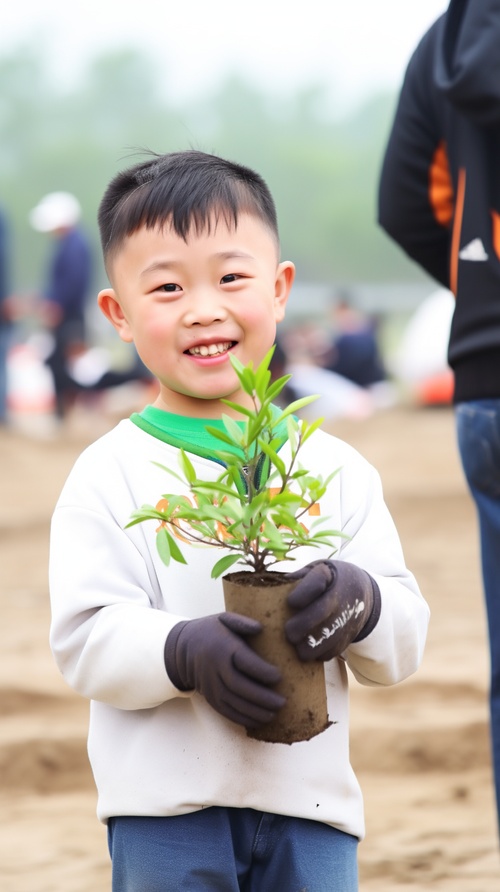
x=187, y=304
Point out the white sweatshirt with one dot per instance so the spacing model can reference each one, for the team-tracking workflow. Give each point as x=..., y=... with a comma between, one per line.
x=154, y=750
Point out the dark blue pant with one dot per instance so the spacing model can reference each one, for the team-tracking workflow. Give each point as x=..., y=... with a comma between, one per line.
x=230, y=850
x=478, y=431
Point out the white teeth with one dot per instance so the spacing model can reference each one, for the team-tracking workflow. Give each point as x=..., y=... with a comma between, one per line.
x=210, y=349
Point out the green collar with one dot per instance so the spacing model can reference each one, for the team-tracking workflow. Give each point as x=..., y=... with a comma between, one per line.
x=189, y=433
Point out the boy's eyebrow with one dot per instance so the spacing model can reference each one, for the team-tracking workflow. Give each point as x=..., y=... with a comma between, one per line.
x=158, y=266
x=228, y=255
x=161, y=265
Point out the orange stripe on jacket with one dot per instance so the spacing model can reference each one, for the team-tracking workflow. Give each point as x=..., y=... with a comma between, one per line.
x=441, y=186
x=457, y=229
x=496, y=232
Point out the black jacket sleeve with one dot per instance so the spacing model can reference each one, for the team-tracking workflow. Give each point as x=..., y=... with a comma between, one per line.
x=415, y=199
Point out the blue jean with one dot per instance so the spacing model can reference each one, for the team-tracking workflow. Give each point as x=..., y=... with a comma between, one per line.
x=478, y=432
x=230, y=850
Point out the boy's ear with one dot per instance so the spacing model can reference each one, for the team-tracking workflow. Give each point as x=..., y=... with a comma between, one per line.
x=284, y=280
x=109, y=305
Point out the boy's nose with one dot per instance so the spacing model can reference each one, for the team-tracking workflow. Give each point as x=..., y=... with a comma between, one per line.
x=204, y=309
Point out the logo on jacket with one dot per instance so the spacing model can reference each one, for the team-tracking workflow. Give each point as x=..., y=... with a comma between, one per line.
x=473, y=251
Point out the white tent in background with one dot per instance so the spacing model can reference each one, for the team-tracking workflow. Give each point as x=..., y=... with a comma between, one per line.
x=420, y=361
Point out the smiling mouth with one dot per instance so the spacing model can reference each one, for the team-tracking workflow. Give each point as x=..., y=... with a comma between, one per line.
x=211, y=349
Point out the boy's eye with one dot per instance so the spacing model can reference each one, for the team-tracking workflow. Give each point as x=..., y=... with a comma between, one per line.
x=231, y=277
x=169, y=286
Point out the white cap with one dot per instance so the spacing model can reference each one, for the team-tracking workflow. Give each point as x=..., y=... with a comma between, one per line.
x=57, y=210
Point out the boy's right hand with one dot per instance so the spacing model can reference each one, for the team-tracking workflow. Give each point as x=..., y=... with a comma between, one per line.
x=210, y=655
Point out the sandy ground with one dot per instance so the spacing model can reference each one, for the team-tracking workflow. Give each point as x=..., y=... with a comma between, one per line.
x=421, y=748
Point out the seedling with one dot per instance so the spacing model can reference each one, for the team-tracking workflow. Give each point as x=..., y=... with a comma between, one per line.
x=255, y=509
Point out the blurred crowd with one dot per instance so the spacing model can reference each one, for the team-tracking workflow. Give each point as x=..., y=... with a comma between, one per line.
x=51, y=361
x=338, y=357
x=49, y=358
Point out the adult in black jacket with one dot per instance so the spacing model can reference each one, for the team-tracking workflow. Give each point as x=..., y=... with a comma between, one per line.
x=439, y=199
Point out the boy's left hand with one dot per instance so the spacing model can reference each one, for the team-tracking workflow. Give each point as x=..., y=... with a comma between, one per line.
x=334, y=604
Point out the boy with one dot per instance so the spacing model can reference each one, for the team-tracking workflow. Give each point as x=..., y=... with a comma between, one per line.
x=191, y=802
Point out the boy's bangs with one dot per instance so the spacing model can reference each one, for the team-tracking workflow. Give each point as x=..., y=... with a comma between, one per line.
x=188, y=206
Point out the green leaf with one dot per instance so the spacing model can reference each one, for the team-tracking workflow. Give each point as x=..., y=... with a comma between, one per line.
x=295, y=406
x=237, y=531
x=140, y=515
x=211, y=512
x=275, y=443
x=234, y=477
x=163, y=545
x=274, y=458
x=262, y=379
x=283, y=519
x=237, y=365
x=241, y=409
x=276, y=387
x=273, y=535
x=187, y=467
x=265, y=363
x=215, y=487
x=220, y=435
x=247, y=380
x=332, y=475
x=308, y=429
x=236, y=434
x=175, y=552
x=169, y=471
x=289, y=509
x=223, y=564
x=147, y=512
x=278, y=553
x=208, y=529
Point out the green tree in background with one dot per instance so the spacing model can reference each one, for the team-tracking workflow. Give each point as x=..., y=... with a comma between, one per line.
x=322, y=171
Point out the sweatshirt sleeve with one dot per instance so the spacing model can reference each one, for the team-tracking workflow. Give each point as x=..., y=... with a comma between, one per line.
x=106, y=635
x=415, y=195
x=394, y=648
x=110, y=611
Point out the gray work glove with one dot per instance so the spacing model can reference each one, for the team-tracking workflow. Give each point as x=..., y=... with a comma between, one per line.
x=334, y=604
x=210, y=655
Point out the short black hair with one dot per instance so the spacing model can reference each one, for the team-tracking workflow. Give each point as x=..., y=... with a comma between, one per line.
x=184, y=189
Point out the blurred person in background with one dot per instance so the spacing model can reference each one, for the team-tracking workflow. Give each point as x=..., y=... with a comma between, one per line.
x=439, y=199
x=67, y=287
x=354, y=351
x=5, y=315
x=305, y=345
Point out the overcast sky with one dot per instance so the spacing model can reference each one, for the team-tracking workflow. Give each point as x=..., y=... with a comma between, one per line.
x=354, y=47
